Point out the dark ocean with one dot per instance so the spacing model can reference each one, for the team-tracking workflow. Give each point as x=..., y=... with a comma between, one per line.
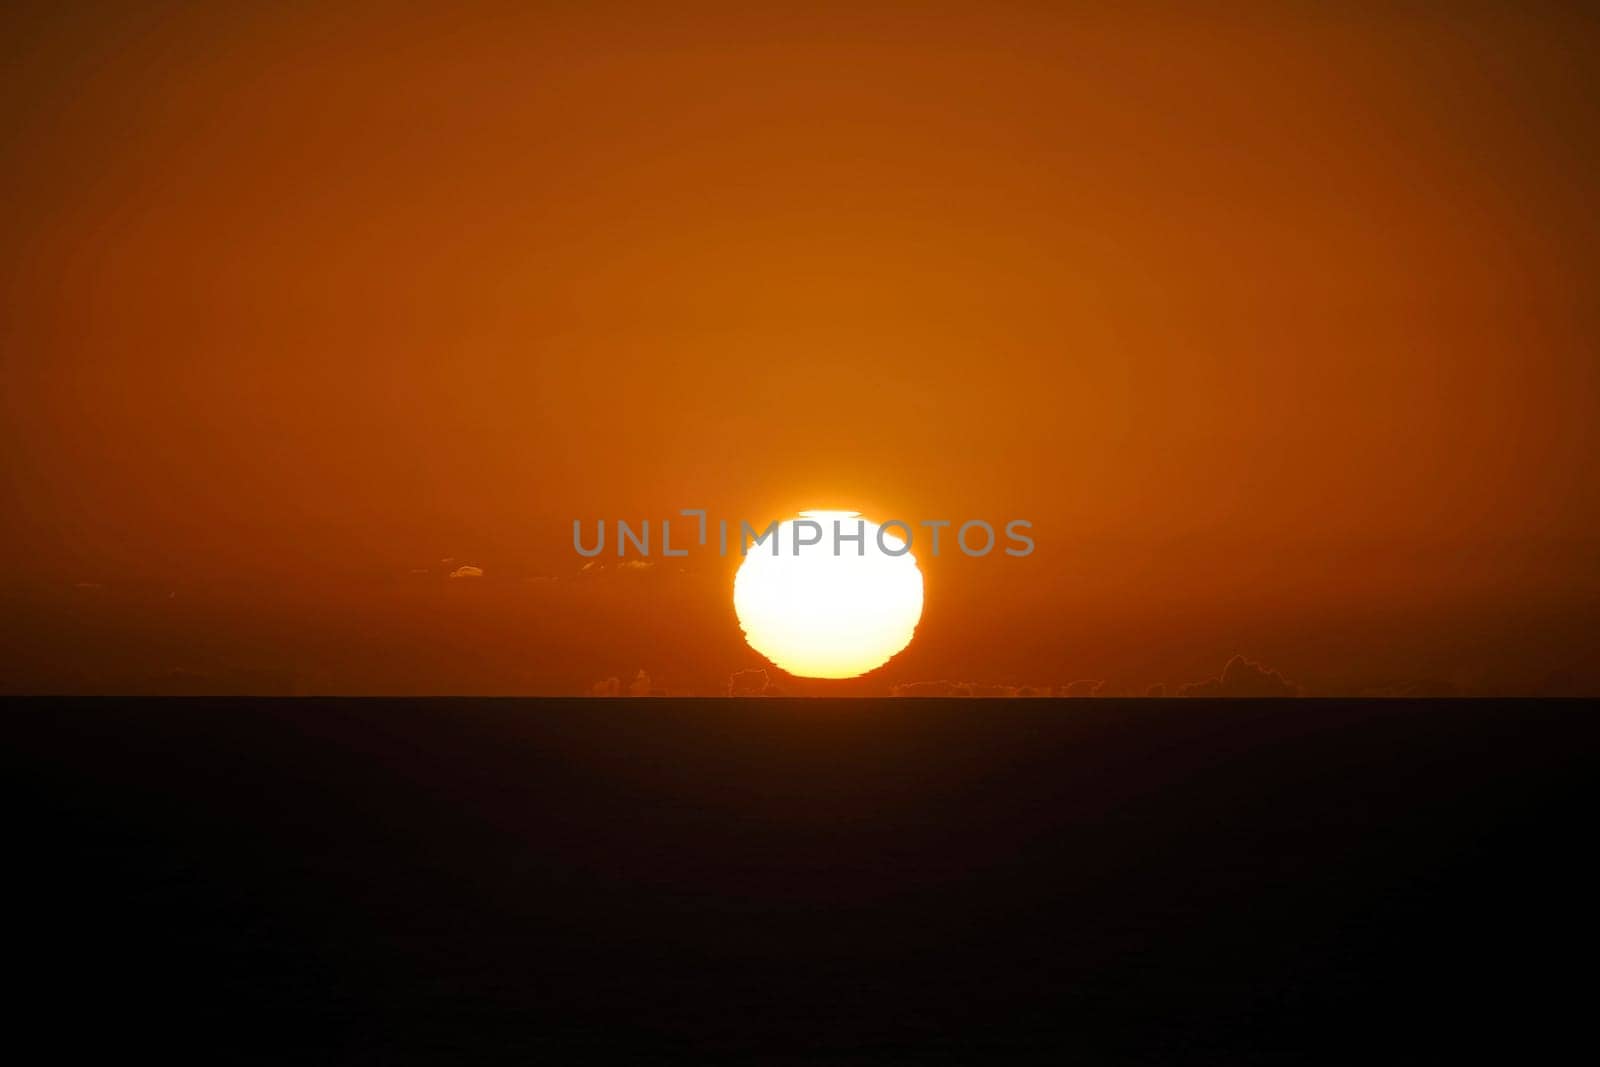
x=460, y=881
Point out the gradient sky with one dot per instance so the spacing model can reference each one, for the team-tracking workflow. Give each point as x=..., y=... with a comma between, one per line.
x=1278, y=322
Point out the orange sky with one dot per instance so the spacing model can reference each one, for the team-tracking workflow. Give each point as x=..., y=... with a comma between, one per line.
x=1279, y=324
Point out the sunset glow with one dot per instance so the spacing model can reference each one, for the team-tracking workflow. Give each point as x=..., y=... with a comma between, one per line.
x=323, y=328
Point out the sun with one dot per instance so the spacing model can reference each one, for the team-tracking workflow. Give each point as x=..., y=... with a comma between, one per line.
x=821, y=608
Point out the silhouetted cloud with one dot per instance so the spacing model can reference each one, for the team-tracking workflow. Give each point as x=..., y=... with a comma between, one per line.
x=752, y=683
x=639, y=686
x=467, y=570
x=939, y=688
x=1083, y=687
x=593, y=568
x=942, y=687
x=1243, y=678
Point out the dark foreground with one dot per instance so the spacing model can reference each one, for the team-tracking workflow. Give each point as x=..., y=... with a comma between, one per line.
x=481, y=881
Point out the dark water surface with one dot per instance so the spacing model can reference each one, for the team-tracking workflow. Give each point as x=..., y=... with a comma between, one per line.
x=790, y=881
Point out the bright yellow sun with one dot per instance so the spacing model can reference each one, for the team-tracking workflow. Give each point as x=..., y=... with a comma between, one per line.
x=825, y=608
